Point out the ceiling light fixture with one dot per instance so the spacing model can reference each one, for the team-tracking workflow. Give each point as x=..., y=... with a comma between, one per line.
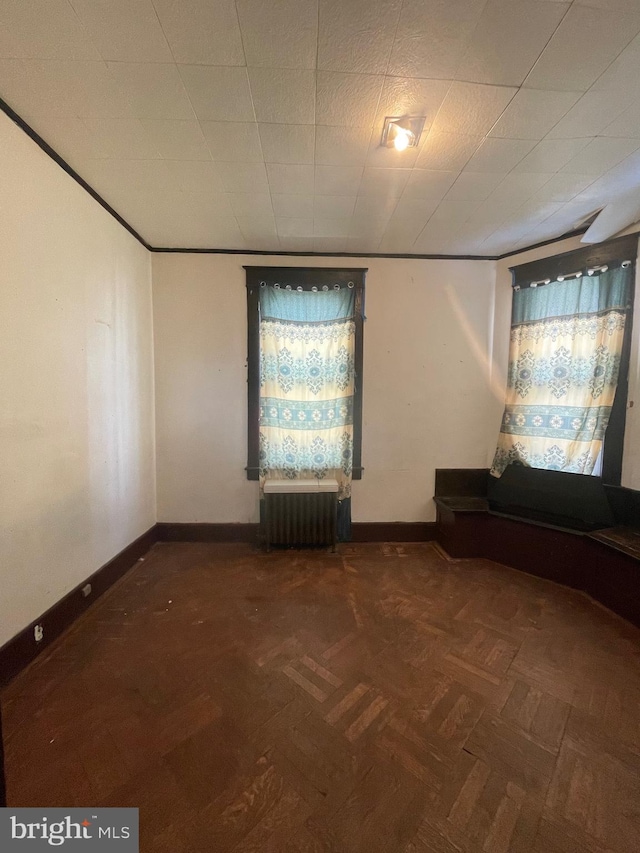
x=402, y=133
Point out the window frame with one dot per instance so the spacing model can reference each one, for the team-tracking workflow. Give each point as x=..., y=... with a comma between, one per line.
x=307, y=278
x=611, y=252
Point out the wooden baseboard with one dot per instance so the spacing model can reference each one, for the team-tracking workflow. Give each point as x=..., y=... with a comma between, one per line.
x=18, y=652
x=393, y=531
x=169, y=531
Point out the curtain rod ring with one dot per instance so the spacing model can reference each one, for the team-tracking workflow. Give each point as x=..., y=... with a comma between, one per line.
x=276, y=286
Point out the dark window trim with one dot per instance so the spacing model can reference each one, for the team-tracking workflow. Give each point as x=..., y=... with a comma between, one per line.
x=305, y=277
x=620, y=249
x=612, y=252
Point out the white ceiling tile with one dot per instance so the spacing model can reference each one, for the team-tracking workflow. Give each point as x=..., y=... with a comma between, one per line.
x=342, y=146
x=348, y=100
x=152, y=213
x=133, y=125
x=618, y=180
x=289, y=179
x=487, y=217
x=582, y=47
x=333, y=206
x=194, y=176
x=70, y=138
x=279, y=35
x=263, y=243
x=515, y=189
x=621, y=77
x=337, y=180
x=124, y=30
x=508, y=39
x=357, y=36
x=292, y=206
x=119, y=179
x=283, y=95
x=200, y=228
x=611, y=5
x=288, y=143
x=218, y=94
x=202, y=32
x=303, y=245
x=244, y=177
x=403, y=96
x=80, y=89
x=474, y=186
x=432, y=36
x=368, y=229
x=178, y=140
x=248, y=205
x=447, y=152
x=600, y=155
x=588, y=118
x=233, y=142
x=448, y=218
x=625, y=125
x=288, y=227
x=123, y=138
x=499, y=155
x=437, y=238
x=362, y=245
x=472, y=109
x=387, y=182
x=257, y=229
x=414, y=209
x=214, y=207
x=400, y=235
x=376, y=210
x=331, y=227
x=43, y=29
x=425, y=184
x=332, y=245
x=550, y=155
x=563, y=187
x=154, y=90
x=532, y=113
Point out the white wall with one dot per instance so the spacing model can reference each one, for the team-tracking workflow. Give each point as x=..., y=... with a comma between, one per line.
x=77, y=475
x=427, y=393
x=631, y=456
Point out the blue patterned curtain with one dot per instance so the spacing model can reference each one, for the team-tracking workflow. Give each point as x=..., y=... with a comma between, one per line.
x=307, y=345
x=564, y=358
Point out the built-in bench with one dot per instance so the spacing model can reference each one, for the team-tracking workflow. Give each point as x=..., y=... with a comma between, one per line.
x=603, y=562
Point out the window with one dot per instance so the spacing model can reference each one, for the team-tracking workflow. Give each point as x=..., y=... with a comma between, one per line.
x=291, y=311
x=569, y=361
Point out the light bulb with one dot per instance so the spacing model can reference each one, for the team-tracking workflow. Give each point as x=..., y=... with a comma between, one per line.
x=402, y=138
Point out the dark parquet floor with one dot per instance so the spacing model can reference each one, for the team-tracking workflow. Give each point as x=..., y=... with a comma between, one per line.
x=384, y=698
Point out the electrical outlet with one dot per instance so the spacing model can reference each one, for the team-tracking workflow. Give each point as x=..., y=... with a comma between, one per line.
x=86, y=590
x=38, y=633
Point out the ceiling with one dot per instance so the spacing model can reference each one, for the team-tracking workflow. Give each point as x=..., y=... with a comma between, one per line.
x=256, y=124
